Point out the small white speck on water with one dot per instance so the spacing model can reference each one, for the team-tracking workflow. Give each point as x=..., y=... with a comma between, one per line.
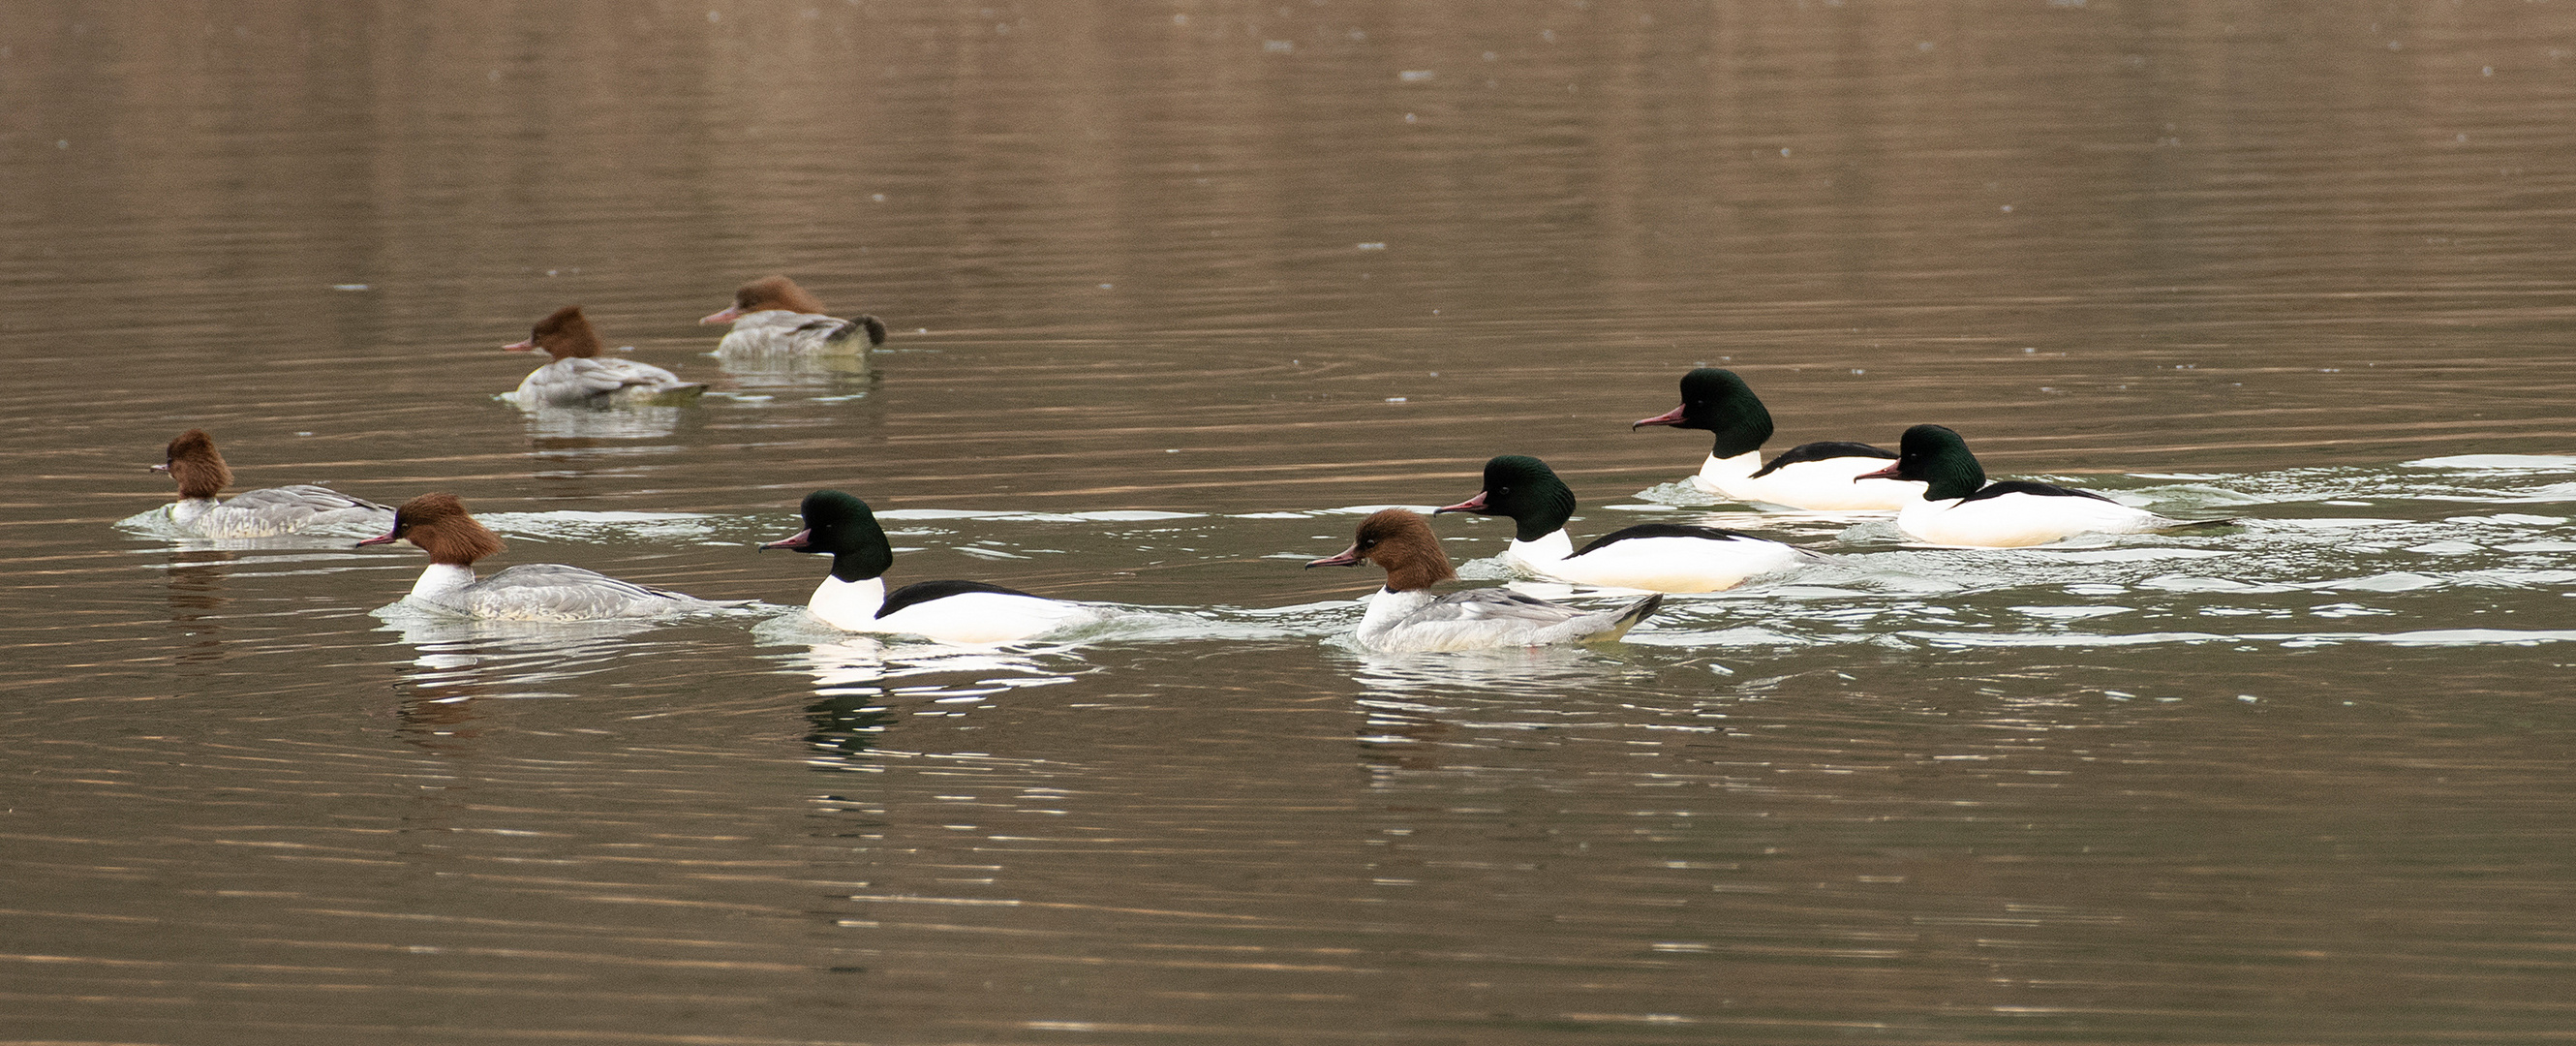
x=1396, y=399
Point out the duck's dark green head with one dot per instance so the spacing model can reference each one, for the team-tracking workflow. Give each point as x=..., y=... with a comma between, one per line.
x=1525, y=489
x=1715, y=400
x=1936, y=456
x=841, y=525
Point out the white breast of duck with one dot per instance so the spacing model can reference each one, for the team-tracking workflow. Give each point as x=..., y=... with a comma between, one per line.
x=801, y=333
x=948, y=611
x=1415, y=621
x=609, y=382
x=853, y=596
x=278, y=510
x=547, y=592
x=1657, y=557
x=581, y=376
x=440, y=526
x=1960, y=509
x=774, y=315
x=1820, y=477
x=1817, y=477
x=1407, y=617
x=194, y=463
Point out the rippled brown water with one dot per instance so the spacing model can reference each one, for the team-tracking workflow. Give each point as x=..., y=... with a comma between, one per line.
x=1176, y=287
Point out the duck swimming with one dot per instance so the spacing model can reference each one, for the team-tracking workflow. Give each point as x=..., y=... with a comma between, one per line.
x=440, y=526
x=581, y=377
x=1405, y=617
x=192, y=460
x=1960, y=509
x=774, y=315
x=1814, y=476
x=1660, y=557
x=853, y=596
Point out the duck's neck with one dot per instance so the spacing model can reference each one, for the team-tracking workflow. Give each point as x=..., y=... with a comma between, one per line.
x=1538, y=554
x=1953, y=476
x=187, y=511
x=1731, y=469
x=1743, y=433
x=1388, y=607
x=1542, y=512
x=441, y=582
x=850, y=605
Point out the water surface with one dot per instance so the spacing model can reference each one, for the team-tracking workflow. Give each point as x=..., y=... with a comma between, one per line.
x=1178, y=293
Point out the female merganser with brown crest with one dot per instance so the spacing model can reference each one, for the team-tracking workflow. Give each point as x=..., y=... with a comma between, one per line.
x=853, y=596
x=1960, y=509
x=1659, y=557
x=439, y=524
x=581, y=377
x=1405, y=617
x=774, y=315
x=200, y=470
x=1813, y=476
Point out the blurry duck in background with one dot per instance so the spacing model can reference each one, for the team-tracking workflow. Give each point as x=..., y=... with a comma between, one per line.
x=581, y=377
x=192, y=460
x=774, y=315
x=1814, y=476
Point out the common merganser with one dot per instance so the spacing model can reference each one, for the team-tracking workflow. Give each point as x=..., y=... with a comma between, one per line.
x=581, y=377
x=193, y=461
x=439, y=524
x=1814, y=476
x=1405, y=617
x=853, y=596
x=1960, y=509
x=1661, y=557
x=773, y=314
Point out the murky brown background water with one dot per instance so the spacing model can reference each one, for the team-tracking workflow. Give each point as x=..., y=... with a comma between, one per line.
x=1248, y=267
